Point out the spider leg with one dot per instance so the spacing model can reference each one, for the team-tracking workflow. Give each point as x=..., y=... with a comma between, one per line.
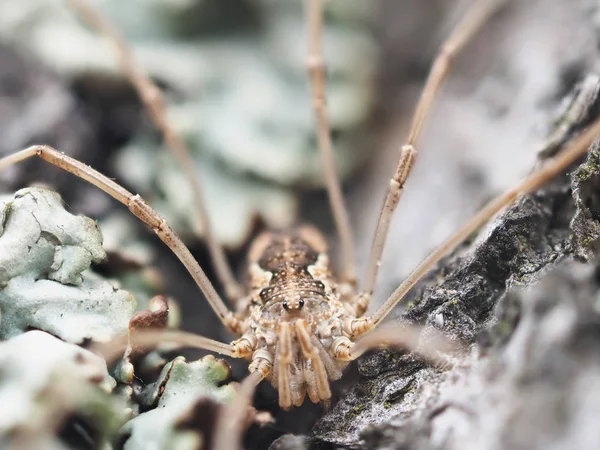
x=114, y=349
x=152, y=99
x=317, y=382
x=142, y=211
x=316, y=73
x=232, y=418
x=284, y=359
x=548, y=170
x=460, y=36
x=400, y=336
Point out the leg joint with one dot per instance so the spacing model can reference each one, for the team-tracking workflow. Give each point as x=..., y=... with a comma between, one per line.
x=145, y=213
x=232, y=322
x=356, y=327
x=341, y=348
x=408, y=155
x=262, y=361
x=243, y=347
x=315, y=64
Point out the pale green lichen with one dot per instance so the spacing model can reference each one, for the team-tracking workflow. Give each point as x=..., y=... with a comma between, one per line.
x=179, y=387
x=42, y=376
x=45, y=254
x=233, y=201
x=39, y=237
x=243, y=101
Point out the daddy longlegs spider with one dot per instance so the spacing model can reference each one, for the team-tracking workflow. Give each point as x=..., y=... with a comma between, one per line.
x=298, y=324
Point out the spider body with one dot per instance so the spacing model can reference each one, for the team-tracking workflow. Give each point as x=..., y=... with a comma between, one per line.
x=295, y=312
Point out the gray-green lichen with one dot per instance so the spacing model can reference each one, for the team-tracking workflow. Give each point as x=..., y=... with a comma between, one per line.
x=45, y=254
x=48, y=385
x=132, y=261
x=235, y=201
x=585, y=223
x=236, y=76
x=42, y=378
x=180, y=386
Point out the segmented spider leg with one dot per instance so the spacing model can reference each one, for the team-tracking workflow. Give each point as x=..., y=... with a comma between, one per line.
x=114, y=349
x=284, y=359
x=229, y=430
x=317, y=382
x=394, y=335
x=460, y=36
x=153, y=100
x=142, y=211
x=316, y=73
x=548, y=170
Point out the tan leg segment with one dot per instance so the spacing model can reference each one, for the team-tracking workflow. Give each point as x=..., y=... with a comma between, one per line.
x=316, y=72
x=461, y=35
x=232, y=418
x=395, y=335
x=534, y=181
x=404, y=337
x=141, y=210
x=152, y=98
x=284, y=350
x=318, y=387
x=114, y=349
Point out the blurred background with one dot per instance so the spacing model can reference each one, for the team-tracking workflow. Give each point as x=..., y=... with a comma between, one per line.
x=233, y=73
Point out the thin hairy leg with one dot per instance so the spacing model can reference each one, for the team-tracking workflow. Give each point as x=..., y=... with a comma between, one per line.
x=317, y=382
x=232, y=419
x=152, y=98
x=114, y=349
x=405, y=337
x=460, y=36
x=548, y=170
x=284, y=359
x=141, y=210
x=316, y=73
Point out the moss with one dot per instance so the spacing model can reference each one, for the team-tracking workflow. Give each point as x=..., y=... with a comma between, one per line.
x=356, y=410
x=585, y=172
x=373, y=390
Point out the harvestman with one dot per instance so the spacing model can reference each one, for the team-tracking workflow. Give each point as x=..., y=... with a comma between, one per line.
x=297, y=323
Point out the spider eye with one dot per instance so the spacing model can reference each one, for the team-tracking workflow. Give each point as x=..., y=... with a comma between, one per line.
x=301, y=303
x=285, y=306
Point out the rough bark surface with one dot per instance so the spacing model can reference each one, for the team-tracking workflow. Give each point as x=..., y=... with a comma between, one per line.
x=530, y=377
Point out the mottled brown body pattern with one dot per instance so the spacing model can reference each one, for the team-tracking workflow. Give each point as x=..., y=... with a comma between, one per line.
x=295, y=315
x=288, y=257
